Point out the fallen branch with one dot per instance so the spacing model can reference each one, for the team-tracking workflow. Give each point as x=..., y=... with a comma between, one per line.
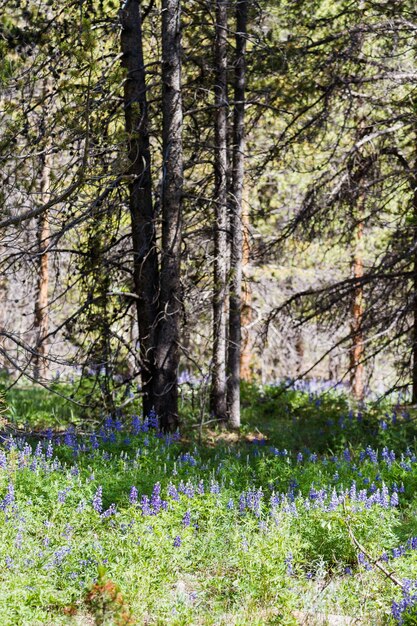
x=377, y=562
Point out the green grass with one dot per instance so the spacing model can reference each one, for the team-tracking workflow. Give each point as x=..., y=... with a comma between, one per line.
x=254, y=536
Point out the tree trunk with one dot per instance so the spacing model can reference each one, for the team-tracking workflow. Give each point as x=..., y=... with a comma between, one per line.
x=40, y=363
x=235, y=299
x=414, y=330
x=167, y=345
x=145, y=258
x=246, y=317
x=218, y=399
x=357, y=350
x=300, y=352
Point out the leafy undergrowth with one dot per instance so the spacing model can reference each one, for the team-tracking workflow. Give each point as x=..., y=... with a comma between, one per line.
x=125, y=525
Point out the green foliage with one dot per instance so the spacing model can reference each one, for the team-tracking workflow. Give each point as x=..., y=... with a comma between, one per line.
x=202, y=559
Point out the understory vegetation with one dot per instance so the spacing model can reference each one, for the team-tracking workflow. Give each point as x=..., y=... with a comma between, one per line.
x=295, y=518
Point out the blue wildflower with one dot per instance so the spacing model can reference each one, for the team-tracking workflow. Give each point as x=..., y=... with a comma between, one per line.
x=133, y=496
x=98, y=500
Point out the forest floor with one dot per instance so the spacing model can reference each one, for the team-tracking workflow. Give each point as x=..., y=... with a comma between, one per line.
x=308, y=517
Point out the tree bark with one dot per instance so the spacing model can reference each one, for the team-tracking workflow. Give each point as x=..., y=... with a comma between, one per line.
x=41, y=319
x=414, y=304
x=219, y=399
x=235, y=298
x=145, y=257
x=246, y=317
x=167, y=345
x=357, y=349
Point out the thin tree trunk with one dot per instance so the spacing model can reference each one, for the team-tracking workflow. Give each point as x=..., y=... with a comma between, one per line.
x=357, y=349
x=41, y=319
x=3, y=301
x=300, y=351
x=218, y=399
x=414, y=330
x=145, y=258
x=167, y=346
x=233, y=388
x=246, y=317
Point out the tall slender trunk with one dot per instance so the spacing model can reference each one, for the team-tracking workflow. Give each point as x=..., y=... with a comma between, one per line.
x=41, y=318
x=218, y=399
x=167, y=345
x=145, y=258
x=300, y=352
x=246, y=317
x=357, y=348
x=235, y=299
x=414, y=305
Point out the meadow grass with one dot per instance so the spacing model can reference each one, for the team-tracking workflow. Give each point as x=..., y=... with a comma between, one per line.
x=122, y=524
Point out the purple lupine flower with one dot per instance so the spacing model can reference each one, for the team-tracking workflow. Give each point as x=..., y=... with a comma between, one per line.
x=156, y=501
x=145, y=506
x=299, y=457
x=398, y=552
x=110, y=511
x=136, y=424
x=405, y=466
x=108, y=423
x=3, y=460
x=214, y=487
x=177, y=541
x=334, y=501
x=186, y=520
x=242, y=503
x=98, y=500
x=188, y=458
x=94, y=441
x=62, y=495
x=9, y=497
x=275, y=500
x=289, y=563
x=394, y=499
x=230, y=505
x=397, y=611
x=372, y=454
x=60, y=555
x=384, y=501
x=412, y=542
x=133, y=496
x=19, y=540
x=49, y=450
x=200, y=488
x=189, y=490
x=152, y=419
x=172, y=492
